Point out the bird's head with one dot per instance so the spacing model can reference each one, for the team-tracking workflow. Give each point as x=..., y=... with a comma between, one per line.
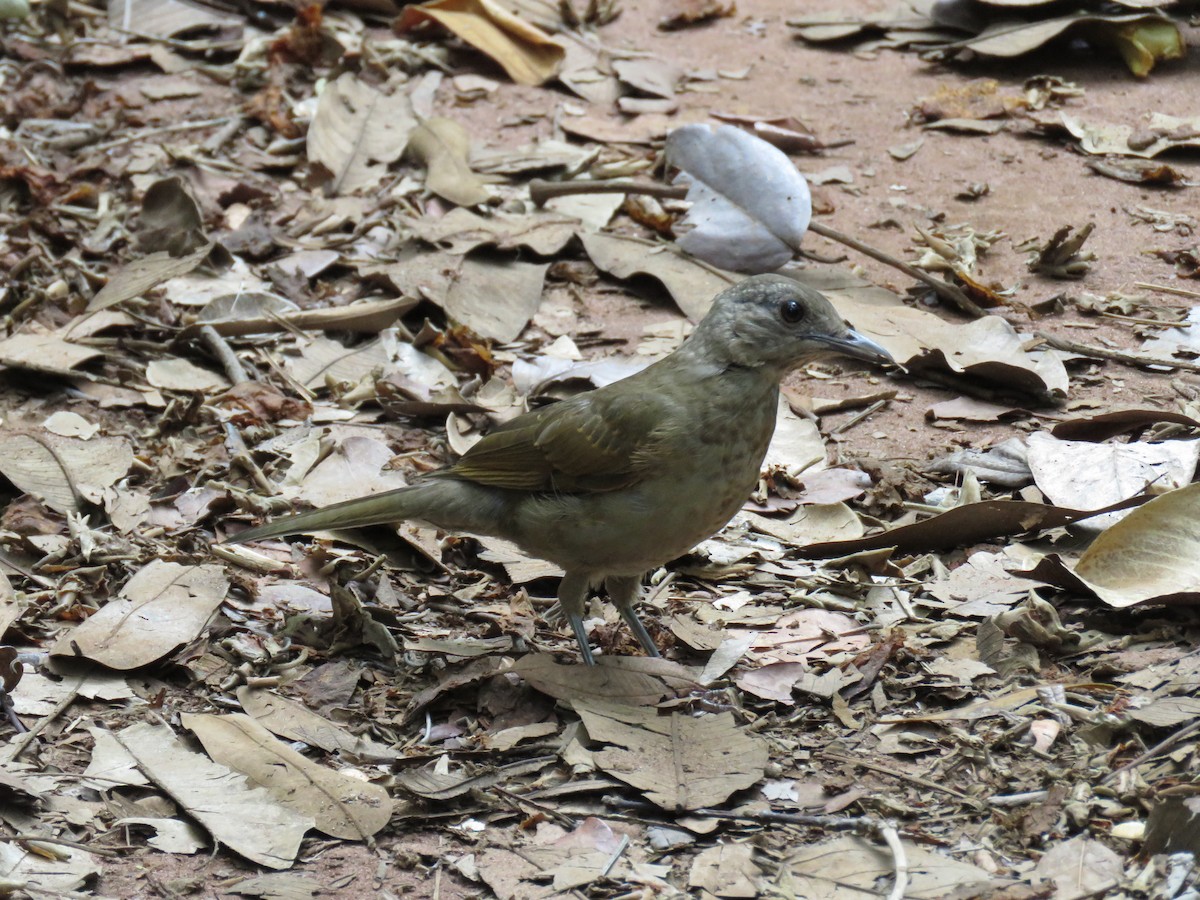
x=771, y=322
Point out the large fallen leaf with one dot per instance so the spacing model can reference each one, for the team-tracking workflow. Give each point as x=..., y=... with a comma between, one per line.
x=988, y=348
x=50, y=870
x=1106, y=425
x=496, y=298
x=963, y=526
x=135, y=278
x=854, y=867
x=632, y=680
x=296, y=722
x=231, y=315
x=357, y=131
x=524, y=51
x=341, y=806
x=681, y=762
x=246, y=819
x=162, y=607
x=62, y=472
x=692, y=285
x=445, y=148
x=1150, y=556
x=44, y=352
x=750, y=205
x=170, y=220
x=1077, y=473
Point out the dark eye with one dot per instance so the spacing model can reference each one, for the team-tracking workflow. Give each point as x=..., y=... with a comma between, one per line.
x=792, y=311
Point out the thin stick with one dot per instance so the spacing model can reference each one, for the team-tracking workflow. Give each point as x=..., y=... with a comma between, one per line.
x=1129, y=359
x=541, y=190
x=216, y=345
x=1166, y=289
x=947, y=291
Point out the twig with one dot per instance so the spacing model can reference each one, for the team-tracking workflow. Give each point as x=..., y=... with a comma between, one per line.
x=1161, y=747
x=1166, y=289
x=1129, y=359
x=161, y=129
x=26, y=739
x=947, y=291
x=541, y=190
x=44, y=839
x=903, y=776
x=859, y=416
x=219, y=348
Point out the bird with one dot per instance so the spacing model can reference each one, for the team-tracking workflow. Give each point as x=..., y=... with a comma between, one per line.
x=615, y=482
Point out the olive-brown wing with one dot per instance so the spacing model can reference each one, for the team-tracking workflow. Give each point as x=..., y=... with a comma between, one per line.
x=601, y=441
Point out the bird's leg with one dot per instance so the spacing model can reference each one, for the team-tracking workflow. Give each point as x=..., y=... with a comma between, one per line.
x=572, y=594
x=625, y=591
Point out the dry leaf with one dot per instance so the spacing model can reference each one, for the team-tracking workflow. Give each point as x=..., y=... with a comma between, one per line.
x=63, y=473
x=445, y=148
x=246, y=819
x=1152, y=555
x=342, y=806
x=162, y=607
x=524, y=51
x=681, y=762
x=357, y=131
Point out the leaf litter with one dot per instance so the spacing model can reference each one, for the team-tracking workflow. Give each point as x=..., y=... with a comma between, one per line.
x=865, y=642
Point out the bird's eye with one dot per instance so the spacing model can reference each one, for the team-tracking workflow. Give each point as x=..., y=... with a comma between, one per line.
x=792, y=311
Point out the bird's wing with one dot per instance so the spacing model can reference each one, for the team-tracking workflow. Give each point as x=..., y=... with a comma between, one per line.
x=601, y=441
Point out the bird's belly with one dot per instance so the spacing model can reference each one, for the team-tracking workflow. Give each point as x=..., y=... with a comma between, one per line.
x=633, y=530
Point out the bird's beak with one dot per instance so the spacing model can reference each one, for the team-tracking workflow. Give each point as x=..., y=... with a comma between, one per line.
x=859, y=346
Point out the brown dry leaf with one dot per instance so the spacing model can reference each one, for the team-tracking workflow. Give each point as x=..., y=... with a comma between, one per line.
x=727, y=870
x=968, y=409
x=691, y=284
x=233, y=316
x=136, y=277
x=524, y=51
x=246, y=819
x=357, y=131
x=342, y=806
x=678, y=14
x=445, y=148
x=63, y=472
x=162, y=607
x=183, y=375
x=170, y=220
x=47, y=352
x=963, y=526
x=579, y=857
x=979, y=99
x=1150, y=556
x=462, y=230
x=854, y=866
x=52, y=870
x=988, y=348
x=1126, y=421
x=496, y=298
x=1081, y=867
x=622, y=679
x=296, y=722
x=1139, y=171
x=681, y=762
x=166, y=18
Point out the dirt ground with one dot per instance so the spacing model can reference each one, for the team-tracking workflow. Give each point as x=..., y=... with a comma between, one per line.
x=935, y=784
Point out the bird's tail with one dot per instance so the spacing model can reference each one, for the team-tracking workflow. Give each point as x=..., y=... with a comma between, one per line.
x=377, y=509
